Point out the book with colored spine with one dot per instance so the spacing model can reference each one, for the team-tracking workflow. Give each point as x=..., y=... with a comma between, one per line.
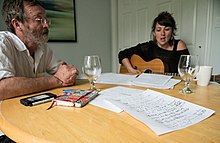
x=74, y=98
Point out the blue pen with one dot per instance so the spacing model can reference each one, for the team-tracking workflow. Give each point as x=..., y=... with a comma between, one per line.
x=68, y=90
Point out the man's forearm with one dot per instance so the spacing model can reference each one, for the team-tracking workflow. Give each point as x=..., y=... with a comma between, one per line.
x=17, y=86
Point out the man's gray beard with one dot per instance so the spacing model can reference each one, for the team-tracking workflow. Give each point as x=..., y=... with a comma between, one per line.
x=37, y=41
x=43, y=40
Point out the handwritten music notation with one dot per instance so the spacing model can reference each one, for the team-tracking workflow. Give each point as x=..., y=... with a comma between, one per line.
x=161, y=112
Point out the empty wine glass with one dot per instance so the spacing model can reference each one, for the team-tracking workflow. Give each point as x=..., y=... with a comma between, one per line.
x=188, y=67
x=92, y=69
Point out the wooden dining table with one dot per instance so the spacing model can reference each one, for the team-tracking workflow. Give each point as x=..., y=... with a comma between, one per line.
x=92, y=124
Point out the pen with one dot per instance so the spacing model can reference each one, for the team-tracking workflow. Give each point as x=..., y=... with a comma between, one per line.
x=137, y=76
x=68, y=90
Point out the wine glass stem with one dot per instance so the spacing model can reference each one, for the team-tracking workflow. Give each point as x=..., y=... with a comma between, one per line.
x=187, y=84
x=92, y=84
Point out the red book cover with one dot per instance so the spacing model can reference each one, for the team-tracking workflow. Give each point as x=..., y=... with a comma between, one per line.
x=75, y=98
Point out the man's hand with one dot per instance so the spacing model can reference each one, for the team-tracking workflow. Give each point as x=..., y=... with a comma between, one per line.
x=67, y=74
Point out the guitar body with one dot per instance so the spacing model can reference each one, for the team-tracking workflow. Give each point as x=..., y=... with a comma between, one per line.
x=155, y=65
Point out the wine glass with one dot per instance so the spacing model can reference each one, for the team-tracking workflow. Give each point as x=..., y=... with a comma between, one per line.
x=92, y=69
x=188, y=67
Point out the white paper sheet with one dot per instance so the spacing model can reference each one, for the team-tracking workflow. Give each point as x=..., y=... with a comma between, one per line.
x=106, y=105
x=113, y=78
x=112, y=93
x=169, y=85
x=162, y=113
x=148, y=80
x=152, y=79
x=1, y=133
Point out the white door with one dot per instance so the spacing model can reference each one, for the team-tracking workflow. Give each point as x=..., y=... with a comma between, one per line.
x=195, y=27
x=135, y=19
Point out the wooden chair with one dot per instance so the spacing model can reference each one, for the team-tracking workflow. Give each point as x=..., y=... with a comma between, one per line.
x=153, y=66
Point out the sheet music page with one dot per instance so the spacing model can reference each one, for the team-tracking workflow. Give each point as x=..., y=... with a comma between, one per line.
x=152, y=79
x=144, y=79
x=168, y=85
x=162, y=113
x=113, y=93
x=113, y=78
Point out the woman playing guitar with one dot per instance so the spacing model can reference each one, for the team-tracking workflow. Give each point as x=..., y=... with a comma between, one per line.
x=163, y=46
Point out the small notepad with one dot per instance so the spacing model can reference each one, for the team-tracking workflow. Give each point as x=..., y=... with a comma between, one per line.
x=74, y=98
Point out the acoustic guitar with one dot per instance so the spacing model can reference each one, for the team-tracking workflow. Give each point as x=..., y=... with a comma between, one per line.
x=215, y=78
x=154, y=66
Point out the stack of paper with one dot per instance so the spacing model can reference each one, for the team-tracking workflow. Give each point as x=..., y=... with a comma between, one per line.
x=155, y=81
x=145, y=79
x=113, y=78
x=160, y=112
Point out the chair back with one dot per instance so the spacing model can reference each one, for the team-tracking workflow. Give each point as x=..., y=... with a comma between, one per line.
x=154, y=66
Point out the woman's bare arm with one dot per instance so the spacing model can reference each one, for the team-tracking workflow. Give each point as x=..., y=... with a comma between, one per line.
x=126, y=62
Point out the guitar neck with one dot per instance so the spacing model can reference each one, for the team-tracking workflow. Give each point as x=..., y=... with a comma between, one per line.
x=171, y=74
x=215, y=78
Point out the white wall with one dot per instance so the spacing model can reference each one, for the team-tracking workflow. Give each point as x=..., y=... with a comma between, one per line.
x=215, y=42
x=93, y=34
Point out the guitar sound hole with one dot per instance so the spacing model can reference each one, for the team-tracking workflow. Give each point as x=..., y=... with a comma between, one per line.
x=148, y=71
